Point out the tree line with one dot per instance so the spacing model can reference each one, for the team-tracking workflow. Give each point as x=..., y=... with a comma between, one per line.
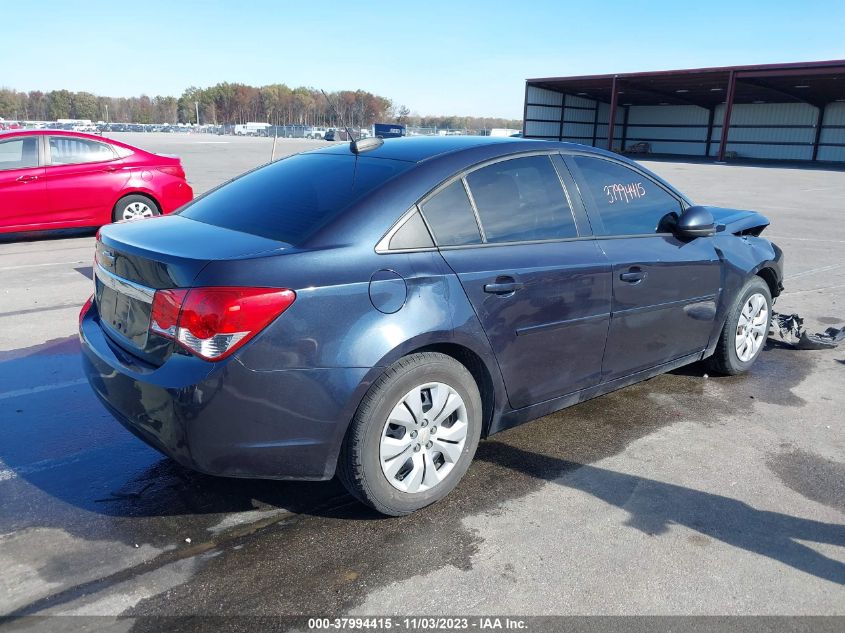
x=231, y=103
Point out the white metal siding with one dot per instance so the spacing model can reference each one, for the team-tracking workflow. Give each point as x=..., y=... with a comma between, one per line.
x=542, y=96
x=670, y=129
x=538, y=128
x=672, y=114
x=785, y=143
x=834, y=114
x=548, y=113
x=582, y=102
x=766, y=130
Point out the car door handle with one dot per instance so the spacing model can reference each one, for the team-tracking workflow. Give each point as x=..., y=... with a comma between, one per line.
x=503, y=287
x=110, y=169
x=633, y=276
x=26, y=178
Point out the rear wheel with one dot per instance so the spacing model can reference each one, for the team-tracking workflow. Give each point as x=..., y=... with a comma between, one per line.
x=135, y=207
x=746, y=328
x=413, y=436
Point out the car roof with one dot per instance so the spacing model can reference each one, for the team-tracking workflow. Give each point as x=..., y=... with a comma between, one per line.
x=417, y=149
x=51, y=132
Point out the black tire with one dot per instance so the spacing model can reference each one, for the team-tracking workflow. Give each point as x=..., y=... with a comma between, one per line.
x=725, y=359
x=135, y=198
x=359, y=468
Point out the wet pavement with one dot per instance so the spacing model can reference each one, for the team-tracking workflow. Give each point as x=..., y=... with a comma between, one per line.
x=686, y=494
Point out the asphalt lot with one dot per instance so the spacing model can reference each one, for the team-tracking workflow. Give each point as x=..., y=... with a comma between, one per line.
x=686, y=494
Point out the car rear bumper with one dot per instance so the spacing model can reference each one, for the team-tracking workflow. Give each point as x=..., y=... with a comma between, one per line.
x=223, y=418
x=175, y=194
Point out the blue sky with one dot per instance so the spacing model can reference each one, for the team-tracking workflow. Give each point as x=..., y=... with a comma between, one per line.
x=469, y=58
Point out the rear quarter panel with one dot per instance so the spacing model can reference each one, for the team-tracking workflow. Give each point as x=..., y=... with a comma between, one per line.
x=333, y=323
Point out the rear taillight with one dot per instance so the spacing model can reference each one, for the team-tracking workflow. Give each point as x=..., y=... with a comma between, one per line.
x=165, y=311
x=173, y=170
x=85, y=307
x=214, y=322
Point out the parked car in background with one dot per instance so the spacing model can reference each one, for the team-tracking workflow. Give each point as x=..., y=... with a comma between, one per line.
x=52, y=179
x=375, y=308
x=388, y=130
x=315, y=132
x=252, y=129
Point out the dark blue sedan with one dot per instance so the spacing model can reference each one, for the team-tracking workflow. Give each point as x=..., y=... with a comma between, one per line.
x=373, y=309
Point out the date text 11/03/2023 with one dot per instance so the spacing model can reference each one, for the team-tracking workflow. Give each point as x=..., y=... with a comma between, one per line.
x=418, y=623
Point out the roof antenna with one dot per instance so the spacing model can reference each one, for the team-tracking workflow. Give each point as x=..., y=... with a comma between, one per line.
x=355, y=145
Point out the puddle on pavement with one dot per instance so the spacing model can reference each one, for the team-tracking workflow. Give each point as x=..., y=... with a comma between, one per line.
x=330, y=560
x=335, y=550
x=815, y=477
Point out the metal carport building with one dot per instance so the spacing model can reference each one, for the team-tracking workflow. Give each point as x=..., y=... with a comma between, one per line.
x=790, y=111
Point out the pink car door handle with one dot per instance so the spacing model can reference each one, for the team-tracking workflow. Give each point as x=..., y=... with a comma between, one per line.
x=110, y=169
x=26, y=178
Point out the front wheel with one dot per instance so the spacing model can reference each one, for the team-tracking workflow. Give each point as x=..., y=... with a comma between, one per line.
x=413, y=436
x=746, y=329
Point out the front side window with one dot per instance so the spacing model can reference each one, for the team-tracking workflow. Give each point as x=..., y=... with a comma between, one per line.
x=19, y=153
x=627, y=202
x=69, y=150
x=450, y=216
x=521, y=199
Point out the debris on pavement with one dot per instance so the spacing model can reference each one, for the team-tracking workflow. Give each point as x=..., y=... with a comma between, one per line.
x=789, y=329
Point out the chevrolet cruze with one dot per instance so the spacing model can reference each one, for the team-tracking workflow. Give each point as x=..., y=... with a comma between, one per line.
x=373, y=309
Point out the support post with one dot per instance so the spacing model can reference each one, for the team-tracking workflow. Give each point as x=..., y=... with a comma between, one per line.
x=818, y=136
x=612, y=114
x=711, y=113
x=624, y=128
x=595, y=123
x=562, y=116
x=525, y=110
x=726, y=121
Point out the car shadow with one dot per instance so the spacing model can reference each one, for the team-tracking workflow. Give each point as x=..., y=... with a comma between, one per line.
x=47, y=235
x=67, y=464
x=655, y=506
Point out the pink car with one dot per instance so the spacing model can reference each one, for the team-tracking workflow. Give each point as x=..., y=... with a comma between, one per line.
x=51, y=179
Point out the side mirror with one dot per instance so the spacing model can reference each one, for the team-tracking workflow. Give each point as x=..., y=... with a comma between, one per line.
x=696, y=222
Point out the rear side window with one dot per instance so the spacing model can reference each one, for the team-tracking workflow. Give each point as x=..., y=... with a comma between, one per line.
x=291, y=199
x=451, y=218
x=627, y=202
x=68, y=150
x=412, y=234
x=520, y=200
x=19, y=153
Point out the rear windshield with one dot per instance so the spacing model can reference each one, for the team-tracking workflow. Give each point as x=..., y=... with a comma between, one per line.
x=290, y=200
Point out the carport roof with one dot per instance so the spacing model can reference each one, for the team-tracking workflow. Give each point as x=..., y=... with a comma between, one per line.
x=816, y=83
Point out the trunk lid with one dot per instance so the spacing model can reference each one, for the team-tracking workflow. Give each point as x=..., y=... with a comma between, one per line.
x=134, y=259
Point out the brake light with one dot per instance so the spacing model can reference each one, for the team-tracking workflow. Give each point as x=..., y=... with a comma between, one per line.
x=85, y=307
x=173, y=170
x=165, y=312
x=213, y=322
